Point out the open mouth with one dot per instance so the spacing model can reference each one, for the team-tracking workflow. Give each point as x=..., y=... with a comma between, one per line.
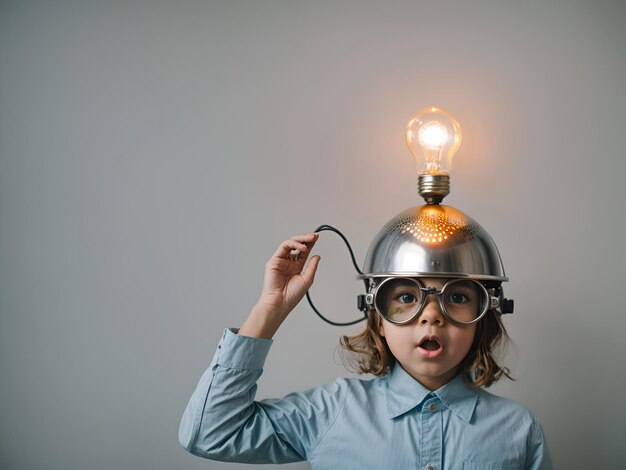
x=430, y=344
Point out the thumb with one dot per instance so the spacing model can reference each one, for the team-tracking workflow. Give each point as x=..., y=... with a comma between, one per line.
x=311, y=268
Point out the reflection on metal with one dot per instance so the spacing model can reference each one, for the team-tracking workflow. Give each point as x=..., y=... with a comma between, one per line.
x=433, y=225
x=434, y=240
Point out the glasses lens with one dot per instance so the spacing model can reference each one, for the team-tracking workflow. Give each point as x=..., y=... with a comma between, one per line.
x=398, y=299
x=464, y=300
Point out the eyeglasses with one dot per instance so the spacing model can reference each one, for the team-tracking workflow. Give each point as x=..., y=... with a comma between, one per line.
x=400, y=300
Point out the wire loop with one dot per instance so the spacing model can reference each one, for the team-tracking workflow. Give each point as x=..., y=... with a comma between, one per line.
x=322, y=228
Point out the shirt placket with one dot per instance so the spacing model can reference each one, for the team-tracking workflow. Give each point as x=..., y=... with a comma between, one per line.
x=432, y=434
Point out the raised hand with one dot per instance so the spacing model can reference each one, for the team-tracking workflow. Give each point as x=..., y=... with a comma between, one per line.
x=285, y=283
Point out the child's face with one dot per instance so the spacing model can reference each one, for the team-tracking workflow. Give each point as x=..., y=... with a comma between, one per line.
x=430, y=348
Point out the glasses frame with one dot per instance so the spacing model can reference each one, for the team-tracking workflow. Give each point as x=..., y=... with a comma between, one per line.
x=493, y=301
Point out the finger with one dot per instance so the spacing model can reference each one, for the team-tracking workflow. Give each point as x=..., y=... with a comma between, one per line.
x=307, y=238
x=287, y=246
x=300, y=243
x=311, y=268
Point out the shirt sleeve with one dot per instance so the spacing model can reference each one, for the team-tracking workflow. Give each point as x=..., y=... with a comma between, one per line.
x=538, y=454
x=222, y=420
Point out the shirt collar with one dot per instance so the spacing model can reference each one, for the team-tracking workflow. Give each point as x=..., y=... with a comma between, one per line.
x=459, y=398
x=405, y=393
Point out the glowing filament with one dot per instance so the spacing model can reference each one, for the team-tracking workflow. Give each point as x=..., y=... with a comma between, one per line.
x=433, y=135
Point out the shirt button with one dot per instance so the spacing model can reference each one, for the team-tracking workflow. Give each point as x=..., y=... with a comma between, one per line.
x=431, y=407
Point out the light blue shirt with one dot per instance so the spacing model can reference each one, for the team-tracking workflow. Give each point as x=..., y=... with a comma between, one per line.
x=389, y=422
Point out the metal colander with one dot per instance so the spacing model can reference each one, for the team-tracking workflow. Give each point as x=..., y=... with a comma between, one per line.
x=434, y=241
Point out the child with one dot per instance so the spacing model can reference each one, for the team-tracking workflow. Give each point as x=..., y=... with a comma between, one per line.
x=429, y=342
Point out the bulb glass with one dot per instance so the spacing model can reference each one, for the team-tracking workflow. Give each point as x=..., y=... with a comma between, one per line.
x=433, y=136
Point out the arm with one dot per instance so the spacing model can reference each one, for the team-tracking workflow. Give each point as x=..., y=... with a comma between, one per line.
x=222, y=421
x=538, y=454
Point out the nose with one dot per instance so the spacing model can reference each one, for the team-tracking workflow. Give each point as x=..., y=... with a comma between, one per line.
x=431, y=313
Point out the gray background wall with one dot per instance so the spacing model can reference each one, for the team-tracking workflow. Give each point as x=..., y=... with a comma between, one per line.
x=153, y=154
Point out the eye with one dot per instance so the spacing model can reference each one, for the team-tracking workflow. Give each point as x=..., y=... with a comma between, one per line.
x=406, y=298
x=458, y=298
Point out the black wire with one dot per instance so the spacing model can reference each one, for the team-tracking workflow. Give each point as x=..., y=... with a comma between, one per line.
x=322, y=228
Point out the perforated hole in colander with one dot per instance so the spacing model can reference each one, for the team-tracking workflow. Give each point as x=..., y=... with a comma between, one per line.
x=433, y=224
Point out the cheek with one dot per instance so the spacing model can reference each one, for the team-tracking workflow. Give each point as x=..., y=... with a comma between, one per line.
x=463, y=340
x=467, y=339
x=398, y=340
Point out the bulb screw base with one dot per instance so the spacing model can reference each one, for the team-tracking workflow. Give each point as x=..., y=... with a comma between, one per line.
x=433, y=188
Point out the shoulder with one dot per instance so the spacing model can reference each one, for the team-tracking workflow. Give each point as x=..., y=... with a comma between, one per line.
x=515, y=421
x=362, y=386
x=505, y=412
x=487, y=395
x=336, y=394
x=350, y=386
x=320, y=407
x=507, y=405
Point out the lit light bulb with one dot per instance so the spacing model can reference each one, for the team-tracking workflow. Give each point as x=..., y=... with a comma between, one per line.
x=433, y=136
